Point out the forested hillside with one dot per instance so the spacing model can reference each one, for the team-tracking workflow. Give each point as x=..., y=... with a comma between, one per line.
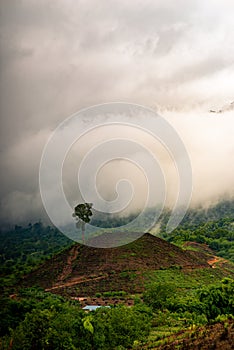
x=23, y=248
x=214, y=227
x=179, y=296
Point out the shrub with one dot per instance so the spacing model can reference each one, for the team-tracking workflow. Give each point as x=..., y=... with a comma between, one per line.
x=218, y=300
x=157, y=295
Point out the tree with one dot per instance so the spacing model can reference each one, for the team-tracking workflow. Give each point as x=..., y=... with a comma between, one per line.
x=82, y=213
x=120, y=327
x=51, y=329
x=31, y=334
x=157, y=295
x=218, y=299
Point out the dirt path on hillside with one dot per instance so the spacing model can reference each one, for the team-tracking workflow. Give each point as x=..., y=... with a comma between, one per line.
x=75, y=281
x=212, y=262
x=68, y=268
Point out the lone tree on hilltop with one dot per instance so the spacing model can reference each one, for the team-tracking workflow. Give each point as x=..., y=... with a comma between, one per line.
x=83, y=213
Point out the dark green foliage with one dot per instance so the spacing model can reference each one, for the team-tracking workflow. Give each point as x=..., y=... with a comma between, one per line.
x=12, y=313
x=218, y=235
x=197, y=306
x=83, y=212
x=218, y=300
x=24, y=248
x=158, y=295
x=50, y=322
x=39, y=320
x=51, y=329
x=198, y=216
x=120, y=326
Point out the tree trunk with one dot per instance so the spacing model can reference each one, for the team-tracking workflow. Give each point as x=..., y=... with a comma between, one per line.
x=83, y=235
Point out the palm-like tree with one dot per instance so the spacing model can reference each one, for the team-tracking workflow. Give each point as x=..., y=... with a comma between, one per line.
x=83, y=213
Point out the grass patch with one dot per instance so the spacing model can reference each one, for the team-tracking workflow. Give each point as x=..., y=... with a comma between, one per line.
x=185, y=280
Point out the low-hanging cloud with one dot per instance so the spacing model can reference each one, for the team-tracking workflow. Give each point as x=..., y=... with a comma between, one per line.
x=175, y=57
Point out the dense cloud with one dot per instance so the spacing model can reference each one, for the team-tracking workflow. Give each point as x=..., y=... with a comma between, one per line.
x=58, y=57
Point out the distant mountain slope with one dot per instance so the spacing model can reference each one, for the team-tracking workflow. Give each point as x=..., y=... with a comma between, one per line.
x=24, y=248
x=217, y=235
x=199, y=216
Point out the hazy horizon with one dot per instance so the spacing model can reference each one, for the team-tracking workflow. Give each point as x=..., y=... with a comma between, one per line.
x=173, y=57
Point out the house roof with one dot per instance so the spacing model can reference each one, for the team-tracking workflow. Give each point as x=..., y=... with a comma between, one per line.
x=93, y=307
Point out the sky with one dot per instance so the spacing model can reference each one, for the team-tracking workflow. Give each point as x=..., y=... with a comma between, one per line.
x=58, y=57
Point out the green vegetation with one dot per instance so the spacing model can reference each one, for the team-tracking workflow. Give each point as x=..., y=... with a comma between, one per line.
x=217, y=300
x=199, y=216
x=211, y=301
x=218, y=235
x=214, y=227
x=186, y=281
x=45, y=321
x=82, y=214
x=120, y=293
x=24, y=248
x=178, y=304
x=177, y=312
x=38, y=320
